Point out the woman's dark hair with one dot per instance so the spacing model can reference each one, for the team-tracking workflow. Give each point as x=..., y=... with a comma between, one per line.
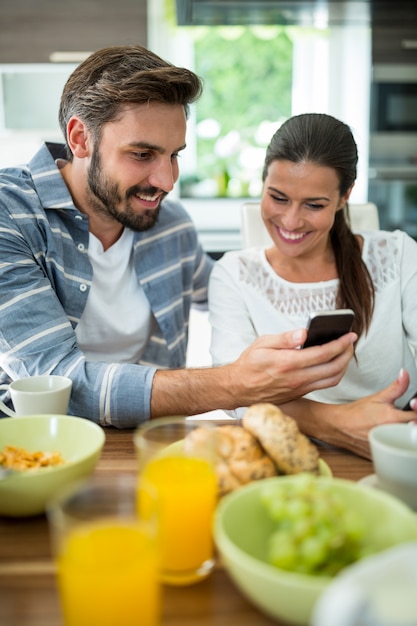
x=325, y=141
x=111, y=78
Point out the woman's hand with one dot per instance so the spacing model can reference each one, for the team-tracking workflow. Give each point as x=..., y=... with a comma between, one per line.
x=347, y=425
x=360, y=416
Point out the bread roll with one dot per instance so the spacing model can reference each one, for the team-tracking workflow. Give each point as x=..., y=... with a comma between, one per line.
x=239, y=459
x=279, y=435
x=270, y=443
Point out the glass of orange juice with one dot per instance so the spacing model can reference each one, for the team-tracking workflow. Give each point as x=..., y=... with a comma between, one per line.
x=176, y=456
x=107, y=554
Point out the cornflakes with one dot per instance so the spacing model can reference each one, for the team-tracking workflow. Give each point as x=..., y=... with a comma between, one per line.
x=16, y=458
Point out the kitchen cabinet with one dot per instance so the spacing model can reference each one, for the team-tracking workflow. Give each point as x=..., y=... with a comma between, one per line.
x=388, y=43
x=31, y=30
x=393, y=188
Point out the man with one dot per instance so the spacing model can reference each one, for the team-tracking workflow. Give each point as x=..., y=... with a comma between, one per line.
x=98, y=271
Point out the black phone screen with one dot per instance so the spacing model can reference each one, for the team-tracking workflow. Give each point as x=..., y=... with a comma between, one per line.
x=328, y=325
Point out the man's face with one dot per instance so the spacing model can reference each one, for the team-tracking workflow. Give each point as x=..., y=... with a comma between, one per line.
x=135, y=165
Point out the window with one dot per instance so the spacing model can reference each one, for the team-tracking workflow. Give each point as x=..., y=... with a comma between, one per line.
x=297, y=70
x=247, y=75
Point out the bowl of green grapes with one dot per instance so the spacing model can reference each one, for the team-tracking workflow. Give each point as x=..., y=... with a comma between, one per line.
x=284, y=539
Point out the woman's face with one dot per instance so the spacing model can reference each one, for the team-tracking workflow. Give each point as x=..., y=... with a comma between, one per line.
x=299, y=204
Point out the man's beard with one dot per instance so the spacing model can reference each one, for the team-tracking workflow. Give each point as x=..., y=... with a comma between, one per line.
x=104, y=197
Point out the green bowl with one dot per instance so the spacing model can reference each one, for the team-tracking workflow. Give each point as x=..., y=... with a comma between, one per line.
x=242, y=529
x=78, y=440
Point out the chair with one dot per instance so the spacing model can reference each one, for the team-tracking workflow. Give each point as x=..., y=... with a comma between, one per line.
x=253, y=231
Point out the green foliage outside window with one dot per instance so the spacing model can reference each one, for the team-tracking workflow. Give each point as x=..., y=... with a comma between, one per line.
x=247, y=74
x=247, y=78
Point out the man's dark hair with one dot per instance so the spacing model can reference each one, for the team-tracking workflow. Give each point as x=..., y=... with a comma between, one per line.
x=112, y=78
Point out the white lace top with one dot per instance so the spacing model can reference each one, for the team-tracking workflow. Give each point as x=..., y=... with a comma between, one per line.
x=247, y=299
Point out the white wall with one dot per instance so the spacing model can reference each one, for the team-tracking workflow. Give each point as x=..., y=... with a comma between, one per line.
x=30, y=94
x=332, y=74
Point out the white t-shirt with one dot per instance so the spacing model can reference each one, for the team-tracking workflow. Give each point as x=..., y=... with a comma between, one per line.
x=248, y=299
x=117, y=321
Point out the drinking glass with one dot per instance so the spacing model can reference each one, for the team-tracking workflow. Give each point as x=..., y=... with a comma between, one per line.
x=107, y=553
x=176, y=456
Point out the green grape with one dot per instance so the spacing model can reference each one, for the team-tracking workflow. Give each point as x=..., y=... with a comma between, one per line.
x=354, y=526
x=302, y=527
x=313, y=552
x=283, y=550
x=315, y=532
x=297, y=508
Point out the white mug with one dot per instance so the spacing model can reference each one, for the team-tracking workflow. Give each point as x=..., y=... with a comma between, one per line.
x=38, y=394
x=394, y=454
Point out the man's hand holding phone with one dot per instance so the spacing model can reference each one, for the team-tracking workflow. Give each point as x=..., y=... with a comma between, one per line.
x=325, y=326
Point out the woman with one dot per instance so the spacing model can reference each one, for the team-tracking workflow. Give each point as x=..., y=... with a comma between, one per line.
x=317, y=263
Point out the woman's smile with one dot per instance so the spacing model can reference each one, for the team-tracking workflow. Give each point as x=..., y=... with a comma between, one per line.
x=290, y=236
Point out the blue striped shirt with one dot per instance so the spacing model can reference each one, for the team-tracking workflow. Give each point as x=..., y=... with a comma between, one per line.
x=45, y=278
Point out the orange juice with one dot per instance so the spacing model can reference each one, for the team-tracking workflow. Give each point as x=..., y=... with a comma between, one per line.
x=187, y=490
x=108, y=575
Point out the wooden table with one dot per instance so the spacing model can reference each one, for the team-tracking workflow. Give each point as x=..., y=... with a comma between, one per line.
x=28, y=595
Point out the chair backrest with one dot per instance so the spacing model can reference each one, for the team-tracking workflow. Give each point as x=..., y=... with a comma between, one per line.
x=253, y=231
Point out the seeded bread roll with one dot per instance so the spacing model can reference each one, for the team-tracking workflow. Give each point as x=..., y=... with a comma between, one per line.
x=280, y=436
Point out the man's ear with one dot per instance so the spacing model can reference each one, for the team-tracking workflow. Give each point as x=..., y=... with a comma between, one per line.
x=78, y=138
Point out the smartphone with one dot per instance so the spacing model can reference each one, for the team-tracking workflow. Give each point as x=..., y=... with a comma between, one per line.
x=325, y=326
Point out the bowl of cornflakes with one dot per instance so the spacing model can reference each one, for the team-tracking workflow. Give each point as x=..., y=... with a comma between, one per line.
x=42, y=454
